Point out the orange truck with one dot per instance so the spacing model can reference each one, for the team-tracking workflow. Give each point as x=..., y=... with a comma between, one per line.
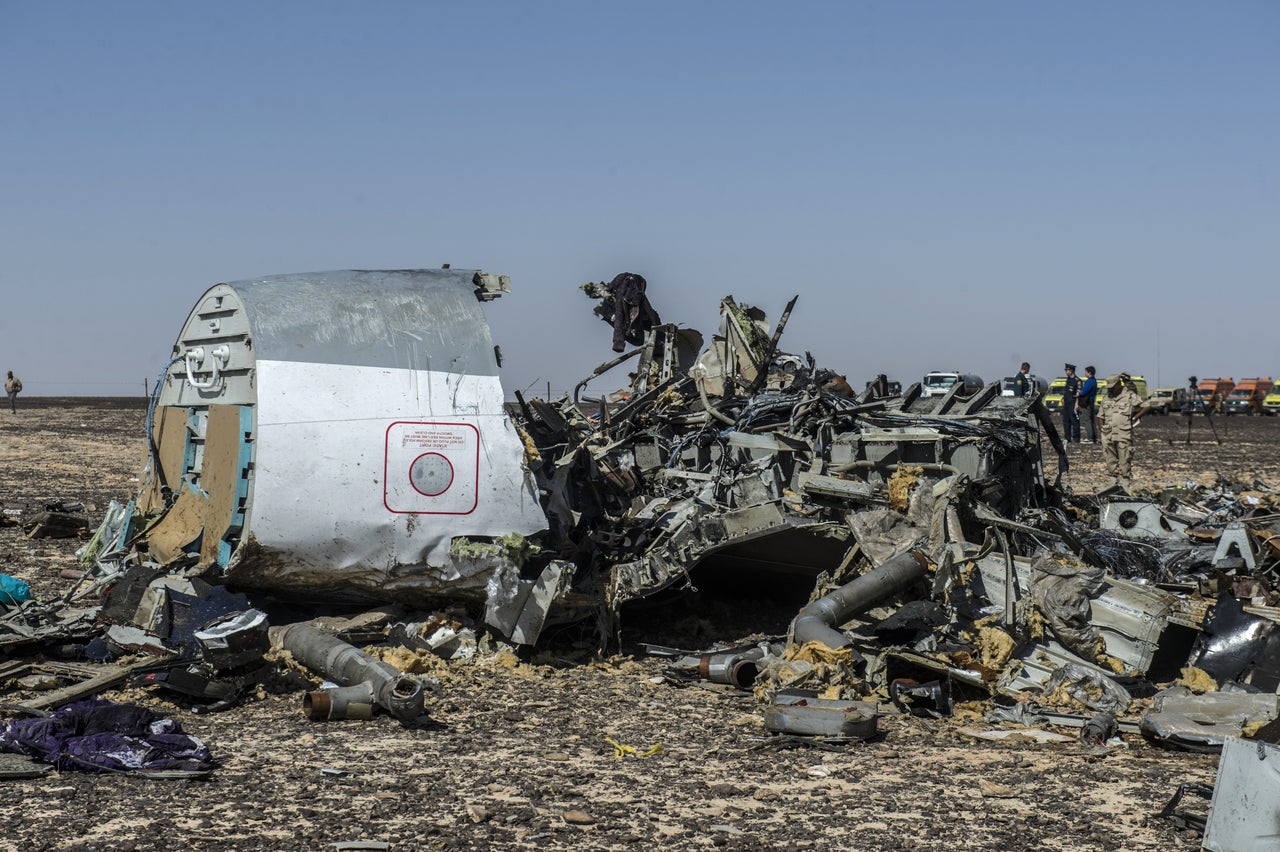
x=1247, y=396
x=1210, y=395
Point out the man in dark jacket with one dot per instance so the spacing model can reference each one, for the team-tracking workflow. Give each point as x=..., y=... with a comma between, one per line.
x=1022, y=381
x=1089, y=405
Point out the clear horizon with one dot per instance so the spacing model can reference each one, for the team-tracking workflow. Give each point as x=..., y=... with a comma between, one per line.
x=946, y=186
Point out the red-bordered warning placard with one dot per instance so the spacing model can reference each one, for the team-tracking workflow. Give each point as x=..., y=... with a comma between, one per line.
x=431, y=468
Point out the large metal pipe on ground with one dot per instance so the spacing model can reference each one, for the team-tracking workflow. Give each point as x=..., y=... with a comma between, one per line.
x=366, y=680
x=818, y=621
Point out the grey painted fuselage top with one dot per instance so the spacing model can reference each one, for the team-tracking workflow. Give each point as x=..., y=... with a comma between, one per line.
x=408, y=319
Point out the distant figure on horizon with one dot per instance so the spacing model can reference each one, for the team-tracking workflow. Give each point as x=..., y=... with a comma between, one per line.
x=13, y=387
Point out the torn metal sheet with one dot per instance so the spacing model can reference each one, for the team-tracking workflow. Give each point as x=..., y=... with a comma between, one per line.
x=1185, y=720
x=1239, y=647
x=1244, y=812
x=518, y=608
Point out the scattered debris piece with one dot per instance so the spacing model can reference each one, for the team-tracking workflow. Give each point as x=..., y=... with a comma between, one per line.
x=803, y=713
x=53, y=524
x=1182, y=719
x=365, y=682
x=621, y=750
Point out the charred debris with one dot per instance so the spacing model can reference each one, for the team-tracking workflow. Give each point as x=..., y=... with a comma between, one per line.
x=945, y=561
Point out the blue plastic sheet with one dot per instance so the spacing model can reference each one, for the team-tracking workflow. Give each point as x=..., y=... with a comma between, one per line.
x=13, y=591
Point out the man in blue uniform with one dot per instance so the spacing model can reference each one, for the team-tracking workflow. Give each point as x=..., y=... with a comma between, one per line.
x=1071, y=406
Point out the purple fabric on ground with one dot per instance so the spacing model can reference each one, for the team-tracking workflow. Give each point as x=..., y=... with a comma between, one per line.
x=100, y=735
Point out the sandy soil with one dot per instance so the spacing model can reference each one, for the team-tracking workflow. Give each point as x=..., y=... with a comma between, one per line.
x=518, y=758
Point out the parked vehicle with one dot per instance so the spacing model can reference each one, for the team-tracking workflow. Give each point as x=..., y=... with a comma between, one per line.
x=1139, y=385
x=1247, y=396
x=1210, y=395
x=1038, y=385
x=1053, y=396
x=1165, y=400
x=939, y=382
x=1271, y=405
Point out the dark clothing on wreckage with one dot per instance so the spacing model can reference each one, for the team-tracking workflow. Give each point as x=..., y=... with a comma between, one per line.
x=632, y=314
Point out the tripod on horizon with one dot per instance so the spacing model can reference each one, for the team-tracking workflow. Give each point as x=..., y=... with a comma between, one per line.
x=1189, y=410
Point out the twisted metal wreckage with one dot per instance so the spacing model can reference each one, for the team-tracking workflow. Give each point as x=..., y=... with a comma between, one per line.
x=343, y=437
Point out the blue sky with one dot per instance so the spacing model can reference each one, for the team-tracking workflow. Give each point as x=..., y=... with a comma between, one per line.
x=945, y=185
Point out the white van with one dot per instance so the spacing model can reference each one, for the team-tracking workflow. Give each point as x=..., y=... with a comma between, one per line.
x=939, y=382
x=1038, y=385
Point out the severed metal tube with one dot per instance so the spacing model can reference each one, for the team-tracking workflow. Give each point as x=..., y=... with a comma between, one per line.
x=738, y=670
x=818, y=620
x=366, y=681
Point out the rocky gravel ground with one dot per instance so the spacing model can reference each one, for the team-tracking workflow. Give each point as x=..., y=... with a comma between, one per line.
x=519, y=754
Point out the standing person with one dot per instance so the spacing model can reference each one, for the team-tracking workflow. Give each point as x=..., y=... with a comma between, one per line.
x=1117, y=413
x=1071, y=406
x=13, y=387
x=1022, y=381
x=1088, y=405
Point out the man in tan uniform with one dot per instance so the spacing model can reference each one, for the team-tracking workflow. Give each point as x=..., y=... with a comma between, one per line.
x=1116, y=415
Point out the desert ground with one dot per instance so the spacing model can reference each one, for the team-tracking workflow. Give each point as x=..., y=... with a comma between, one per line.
x=519, y=755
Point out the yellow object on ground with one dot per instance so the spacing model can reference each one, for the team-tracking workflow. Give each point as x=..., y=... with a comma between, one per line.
x=620, y=750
